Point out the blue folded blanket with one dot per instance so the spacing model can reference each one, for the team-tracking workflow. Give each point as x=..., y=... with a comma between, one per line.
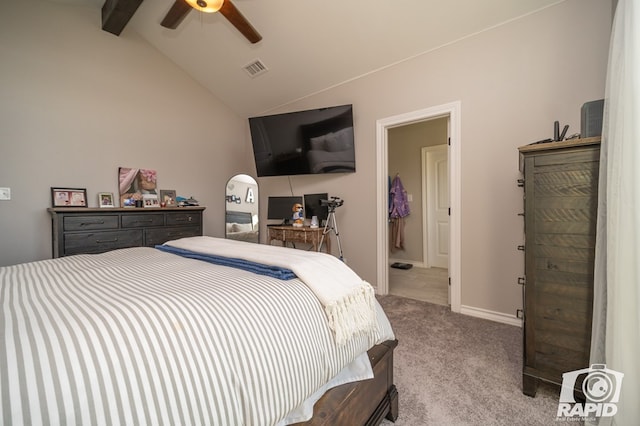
x=258, y=268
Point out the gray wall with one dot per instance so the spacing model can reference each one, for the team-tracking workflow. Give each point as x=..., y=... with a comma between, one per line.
x=76, y=103
x=513, y=82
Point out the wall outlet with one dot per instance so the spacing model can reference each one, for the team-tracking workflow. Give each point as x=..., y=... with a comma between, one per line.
x=5, y=193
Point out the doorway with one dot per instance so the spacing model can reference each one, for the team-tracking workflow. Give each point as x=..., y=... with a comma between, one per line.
x=452, y=113
x=418, y=156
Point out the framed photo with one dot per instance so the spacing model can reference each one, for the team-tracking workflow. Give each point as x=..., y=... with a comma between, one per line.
x=168, y=197
x=69, y=197
x=135, y=184
x=105, y=199
x=150, y=200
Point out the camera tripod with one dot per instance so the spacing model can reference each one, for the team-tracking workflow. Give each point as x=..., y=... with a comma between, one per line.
x=332, y=226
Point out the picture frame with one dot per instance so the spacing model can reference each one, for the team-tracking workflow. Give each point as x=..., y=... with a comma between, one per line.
x=168, y=197
x=136, y=187
x=68, y=197
x=105, y=199
x=150, y=200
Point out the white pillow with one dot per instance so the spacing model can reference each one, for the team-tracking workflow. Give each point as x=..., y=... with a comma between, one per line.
x=318, y=143
x=242, y=227
x=341, y=140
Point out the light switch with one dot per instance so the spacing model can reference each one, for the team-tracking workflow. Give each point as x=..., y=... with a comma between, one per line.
x=410, y=197
x=5, y=193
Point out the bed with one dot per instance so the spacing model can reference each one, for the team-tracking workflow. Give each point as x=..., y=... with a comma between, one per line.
x=241, y=226
x=180, y=334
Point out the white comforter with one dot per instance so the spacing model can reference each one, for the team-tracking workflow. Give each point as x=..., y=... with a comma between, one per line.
x=138, y=336
x=347, y=299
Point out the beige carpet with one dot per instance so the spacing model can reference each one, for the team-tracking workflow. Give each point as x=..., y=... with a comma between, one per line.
x=453, y=369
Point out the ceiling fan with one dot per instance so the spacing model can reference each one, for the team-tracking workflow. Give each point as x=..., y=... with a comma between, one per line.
x=181, y=8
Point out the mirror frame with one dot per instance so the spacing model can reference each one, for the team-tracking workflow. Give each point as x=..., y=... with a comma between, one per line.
x=242, y=209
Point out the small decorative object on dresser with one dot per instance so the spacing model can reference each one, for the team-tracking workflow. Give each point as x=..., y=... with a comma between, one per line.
x=105, y=199
x=68, y=197
x=151, y=200
x=168, y=197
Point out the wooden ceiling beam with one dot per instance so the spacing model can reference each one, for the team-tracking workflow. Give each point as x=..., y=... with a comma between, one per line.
x=117, y=13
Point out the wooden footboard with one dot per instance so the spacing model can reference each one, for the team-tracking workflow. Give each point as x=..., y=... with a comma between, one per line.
x=366, y=402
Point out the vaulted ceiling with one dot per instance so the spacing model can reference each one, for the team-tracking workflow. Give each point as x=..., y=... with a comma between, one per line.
x=307, y=45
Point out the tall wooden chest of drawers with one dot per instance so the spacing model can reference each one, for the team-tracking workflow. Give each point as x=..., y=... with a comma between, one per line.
x=560, y=202
x=97, y=230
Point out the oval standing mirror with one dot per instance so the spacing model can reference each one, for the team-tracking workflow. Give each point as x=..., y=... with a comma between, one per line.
x=241, y=209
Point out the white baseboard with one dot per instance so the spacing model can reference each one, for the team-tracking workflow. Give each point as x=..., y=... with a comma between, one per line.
x=491, y=315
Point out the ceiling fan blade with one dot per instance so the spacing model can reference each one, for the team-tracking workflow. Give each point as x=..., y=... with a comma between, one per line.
x=176, y=14
x=238, y=20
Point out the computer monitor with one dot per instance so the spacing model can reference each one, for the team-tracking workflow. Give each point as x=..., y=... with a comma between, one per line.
x=281, y=208
x=313, y=206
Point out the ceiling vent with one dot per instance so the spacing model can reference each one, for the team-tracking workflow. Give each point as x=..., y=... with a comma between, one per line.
x=255, y=68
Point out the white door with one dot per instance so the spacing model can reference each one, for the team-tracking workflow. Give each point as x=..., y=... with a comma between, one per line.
x=435, y=163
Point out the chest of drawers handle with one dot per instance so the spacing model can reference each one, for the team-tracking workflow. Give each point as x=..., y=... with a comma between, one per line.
x=106, y=241
x=95, y=222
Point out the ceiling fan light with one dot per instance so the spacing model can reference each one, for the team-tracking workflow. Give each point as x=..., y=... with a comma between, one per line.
x=208, y=6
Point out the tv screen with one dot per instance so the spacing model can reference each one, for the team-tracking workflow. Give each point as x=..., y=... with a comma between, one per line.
x=281, y=208
x=304, y=142
x=313, y=206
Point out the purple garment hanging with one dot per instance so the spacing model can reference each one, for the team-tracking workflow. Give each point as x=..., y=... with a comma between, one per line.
x=399, y=204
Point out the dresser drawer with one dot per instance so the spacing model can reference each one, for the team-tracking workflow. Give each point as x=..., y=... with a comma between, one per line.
x=142, y=220
x=97, y=230
x=99, y=242
x=184, y=218
x=90, y=223
x=162, y=235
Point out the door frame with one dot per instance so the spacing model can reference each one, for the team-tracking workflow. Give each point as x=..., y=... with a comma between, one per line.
x=453, y=112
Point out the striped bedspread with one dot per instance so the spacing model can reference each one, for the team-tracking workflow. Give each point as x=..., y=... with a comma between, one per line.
x=143, y=337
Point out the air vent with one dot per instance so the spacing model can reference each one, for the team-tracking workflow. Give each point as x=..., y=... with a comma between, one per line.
x=255, y=68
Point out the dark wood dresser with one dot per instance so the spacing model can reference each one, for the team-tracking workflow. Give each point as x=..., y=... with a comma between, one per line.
x=97, y=230
x=560, y=203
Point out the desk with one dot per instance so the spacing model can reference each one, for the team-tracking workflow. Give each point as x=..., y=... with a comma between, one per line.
x=303, y=234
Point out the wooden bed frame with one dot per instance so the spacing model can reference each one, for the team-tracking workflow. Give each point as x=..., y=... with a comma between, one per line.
x=366, y=402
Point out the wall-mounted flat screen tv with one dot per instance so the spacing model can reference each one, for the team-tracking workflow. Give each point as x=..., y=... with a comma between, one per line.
x=304, y=142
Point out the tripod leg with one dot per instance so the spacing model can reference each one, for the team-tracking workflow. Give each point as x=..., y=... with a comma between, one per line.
x=324, y=232
x=338, y=240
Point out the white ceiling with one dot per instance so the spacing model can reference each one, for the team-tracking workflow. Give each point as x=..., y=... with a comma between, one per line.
x=311, y=45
